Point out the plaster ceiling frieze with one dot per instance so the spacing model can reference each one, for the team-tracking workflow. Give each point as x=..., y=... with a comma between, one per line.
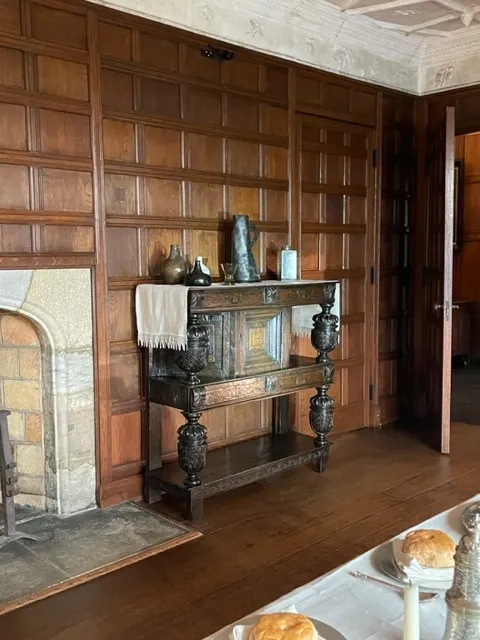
x=417, y=46
x=456, y=74
x=451, y=63
x=311, y=32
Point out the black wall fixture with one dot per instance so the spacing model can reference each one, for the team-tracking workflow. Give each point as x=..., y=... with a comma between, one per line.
x=213, y=52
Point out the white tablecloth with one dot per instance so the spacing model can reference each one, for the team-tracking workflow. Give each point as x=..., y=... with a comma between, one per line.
x=361, y=610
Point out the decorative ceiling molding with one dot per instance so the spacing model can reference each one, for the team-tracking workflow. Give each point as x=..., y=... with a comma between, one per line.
x=312, y=32
x=337, y=36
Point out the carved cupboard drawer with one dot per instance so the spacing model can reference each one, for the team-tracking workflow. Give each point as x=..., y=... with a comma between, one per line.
x=247, y=297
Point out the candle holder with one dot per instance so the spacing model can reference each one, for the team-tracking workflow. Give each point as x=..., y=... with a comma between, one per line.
x=229, y=270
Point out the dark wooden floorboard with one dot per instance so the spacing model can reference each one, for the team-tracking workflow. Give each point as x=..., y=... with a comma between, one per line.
x=264, y=540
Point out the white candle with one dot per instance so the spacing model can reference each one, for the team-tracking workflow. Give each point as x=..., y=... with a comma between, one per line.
x=411, y=613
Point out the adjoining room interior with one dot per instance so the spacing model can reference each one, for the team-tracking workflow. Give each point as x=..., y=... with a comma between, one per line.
x=175, y=458
x=466, y=283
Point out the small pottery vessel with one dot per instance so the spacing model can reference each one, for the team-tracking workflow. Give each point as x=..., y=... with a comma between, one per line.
x=175, y=267
x=197, y=277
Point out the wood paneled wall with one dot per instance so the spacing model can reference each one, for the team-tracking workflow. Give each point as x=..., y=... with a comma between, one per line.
x=395, y=291
x=119, y=138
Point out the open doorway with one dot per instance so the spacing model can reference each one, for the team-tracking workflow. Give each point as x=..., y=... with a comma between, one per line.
x=465, y=403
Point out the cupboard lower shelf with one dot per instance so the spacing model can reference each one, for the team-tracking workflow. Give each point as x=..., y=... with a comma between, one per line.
x=237, y=465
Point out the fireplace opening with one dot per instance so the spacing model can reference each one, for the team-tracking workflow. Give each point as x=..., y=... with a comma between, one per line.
x=47, y=383
x=22, y=384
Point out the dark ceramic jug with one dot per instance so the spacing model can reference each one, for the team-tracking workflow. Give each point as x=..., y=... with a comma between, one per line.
x=197, y=276
x=175, y=267
x=242, y=244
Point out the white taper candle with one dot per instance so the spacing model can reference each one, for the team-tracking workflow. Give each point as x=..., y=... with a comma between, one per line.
x=411, y=613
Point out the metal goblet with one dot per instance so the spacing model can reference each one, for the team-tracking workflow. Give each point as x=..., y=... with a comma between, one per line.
x=229, y=270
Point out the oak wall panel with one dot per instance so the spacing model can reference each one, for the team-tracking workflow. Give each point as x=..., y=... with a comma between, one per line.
x=118, y=140
x=13, y=126
x=158, y=52
x=120, y=195
x=126, y=438
x=119, y=262
x=114, y=41
x=65, y=190
x=64, y=133
x=10, y=17
x=58, y=27
x=117, y=90
x=14, y=187
x=11, y=68
x=77, y=240
x=15, y=238
x=62, y=78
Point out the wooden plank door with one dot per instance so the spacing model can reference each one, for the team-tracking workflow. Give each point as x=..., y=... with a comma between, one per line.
x=336, y=192
x=438, y=271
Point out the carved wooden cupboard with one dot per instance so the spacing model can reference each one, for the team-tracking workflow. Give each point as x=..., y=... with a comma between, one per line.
x=260, y=367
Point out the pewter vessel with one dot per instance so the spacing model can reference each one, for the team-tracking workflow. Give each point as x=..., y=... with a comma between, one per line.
x=463, y=597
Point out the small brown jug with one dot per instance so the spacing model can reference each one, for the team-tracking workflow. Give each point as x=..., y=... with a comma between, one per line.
x=175, y=267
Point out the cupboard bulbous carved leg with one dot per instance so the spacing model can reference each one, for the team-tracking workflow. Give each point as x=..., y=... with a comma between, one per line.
x=194, y=359
x=324, y=340
x=321, y=421
x=192, y=448
x=325, y=324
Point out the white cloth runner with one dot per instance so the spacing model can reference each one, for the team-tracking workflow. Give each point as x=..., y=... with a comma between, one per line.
x=362, y=610
x=162, y=314
x=302, y=319
x=414, y=570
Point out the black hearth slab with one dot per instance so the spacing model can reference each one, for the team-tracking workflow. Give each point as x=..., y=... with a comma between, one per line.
x=83, y=542
x=23, y=573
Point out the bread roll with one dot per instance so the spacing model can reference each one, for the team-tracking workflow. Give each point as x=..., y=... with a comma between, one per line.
x=283, y=626
x=430, y=547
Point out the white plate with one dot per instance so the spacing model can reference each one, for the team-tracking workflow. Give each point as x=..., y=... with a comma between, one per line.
x=325, y=631
x=385, y=562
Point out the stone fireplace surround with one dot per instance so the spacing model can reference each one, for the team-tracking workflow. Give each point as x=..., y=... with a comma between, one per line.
x=59, y=303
